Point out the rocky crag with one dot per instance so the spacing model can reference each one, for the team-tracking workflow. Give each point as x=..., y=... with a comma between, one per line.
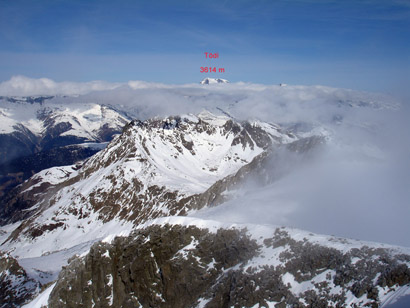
x=185, y=266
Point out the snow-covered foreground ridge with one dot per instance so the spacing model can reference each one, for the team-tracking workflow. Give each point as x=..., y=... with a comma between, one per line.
x=190, y=262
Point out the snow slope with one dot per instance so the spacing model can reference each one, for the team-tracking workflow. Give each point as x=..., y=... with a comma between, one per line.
x=146, y=172
x=86, y=120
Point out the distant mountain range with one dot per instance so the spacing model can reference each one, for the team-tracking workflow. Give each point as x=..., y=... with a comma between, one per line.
x=36, y=134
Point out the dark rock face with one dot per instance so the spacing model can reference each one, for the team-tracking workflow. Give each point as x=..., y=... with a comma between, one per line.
x=17, y=170
x=360, y=270
x=106, y=133
x=149, y=269
x=20, y=169
x=21, y=142
x=13, y=198
x=176, y=266
x=16, y=287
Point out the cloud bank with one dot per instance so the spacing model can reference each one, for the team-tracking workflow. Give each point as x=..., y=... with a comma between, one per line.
x=357, y=186
x=24, y=86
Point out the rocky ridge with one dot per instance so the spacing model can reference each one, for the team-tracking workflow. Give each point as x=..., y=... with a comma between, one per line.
x=160, y=167
x=170, y=265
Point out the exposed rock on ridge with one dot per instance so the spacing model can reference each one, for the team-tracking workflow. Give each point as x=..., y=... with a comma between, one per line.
x=176, y=266
x=15, y=285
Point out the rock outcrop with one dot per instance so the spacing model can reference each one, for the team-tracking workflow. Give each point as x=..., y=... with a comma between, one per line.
x=186, y=266
x=15, y=285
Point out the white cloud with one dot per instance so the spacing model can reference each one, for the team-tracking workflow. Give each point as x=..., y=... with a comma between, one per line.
x=24, y=86
x=357, y=187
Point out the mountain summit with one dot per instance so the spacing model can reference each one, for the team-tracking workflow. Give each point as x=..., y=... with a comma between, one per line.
x=209, y=80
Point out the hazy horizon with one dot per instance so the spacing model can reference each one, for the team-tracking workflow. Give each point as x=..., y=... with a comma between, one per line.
x=361, y=45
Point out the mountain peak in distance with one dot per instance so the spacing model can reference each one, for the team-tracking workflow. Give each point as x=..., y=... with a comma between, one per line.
x=209, y=80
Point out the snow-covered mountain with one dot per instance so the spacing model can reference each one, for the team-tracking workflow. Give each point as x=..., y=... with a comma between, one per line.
x=210, y=80
x=47, y=122
x=141, y=222
x=156, y=168
x=41, y=132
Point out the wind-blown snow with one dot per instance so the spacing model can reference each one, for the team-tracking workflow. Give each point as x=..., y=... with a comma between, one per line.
x=355, y=194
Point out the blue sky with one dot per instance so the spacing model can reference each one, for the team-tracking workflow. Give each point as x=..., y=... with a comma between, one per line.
x=362, y=44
